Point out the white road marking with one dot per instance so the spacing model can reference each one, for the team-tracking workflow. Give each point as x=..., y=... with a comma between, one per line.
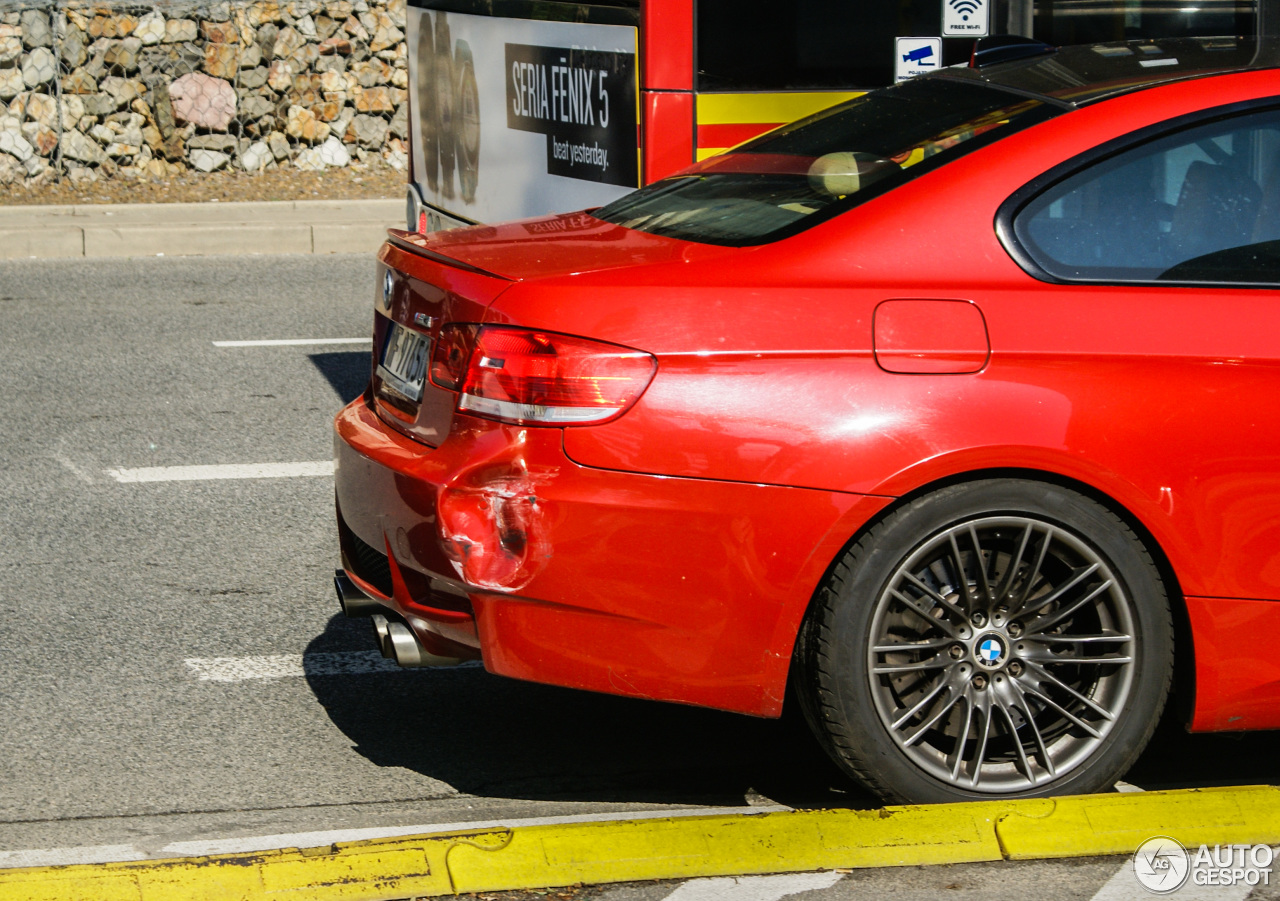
x=1124, y=886
x=1127, y=787
x=285, y=666
x=74, y=470
x=61, y=857
x=52, y=857
x=232, y=471
x=292, y=342
x=752, y=888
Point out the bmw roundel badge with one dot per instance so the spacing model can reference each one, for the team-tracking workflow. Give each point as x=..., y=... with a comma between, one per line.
x=991, y=651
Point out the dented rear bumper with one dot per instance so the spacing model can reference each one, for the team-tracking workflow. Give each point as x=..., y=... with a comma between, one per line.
x=648, y=586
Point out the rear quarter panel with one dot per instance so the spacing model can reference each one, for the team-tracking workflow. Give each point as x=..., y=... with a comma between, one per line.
x=1159, y=397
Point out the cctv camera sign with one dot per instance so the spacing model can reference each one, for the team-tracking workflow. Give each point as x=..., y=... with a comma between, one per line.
x=916, y=56
x=584, y=102
x=512, y=118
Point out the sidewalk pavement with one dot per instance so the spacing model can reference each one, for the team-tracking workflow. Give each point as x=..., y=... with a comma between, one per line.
x=181, y=229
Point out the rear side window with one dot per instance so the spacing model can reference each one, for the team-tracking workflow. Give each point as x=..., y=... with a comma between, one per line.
x=811, y=170
x=1199, y=205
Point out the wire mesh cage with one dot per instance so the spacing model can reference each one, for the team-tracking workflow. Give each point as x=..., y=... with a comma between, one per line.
x=107, y=89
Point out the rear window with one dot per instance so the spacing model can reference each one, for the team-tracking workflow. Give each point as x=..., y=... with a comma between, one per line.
x=811, y=170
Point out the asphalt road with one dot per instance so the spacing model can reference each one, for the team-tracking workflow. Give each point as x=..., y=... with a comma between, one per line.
x=116, y=596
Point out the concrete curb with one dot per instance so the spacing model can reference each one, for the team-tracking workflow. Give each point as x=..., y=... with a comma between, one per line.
x=674, y=848
x=184, y=229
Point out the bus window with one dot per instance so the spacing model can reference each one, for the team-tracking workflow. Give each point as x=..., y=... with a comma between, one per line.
x=762, y=45
x=814, y=45
x=1062, y=22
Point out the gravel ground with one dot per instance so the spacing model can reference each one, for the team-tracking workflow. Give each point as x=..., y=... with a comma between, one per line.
x=364, y=183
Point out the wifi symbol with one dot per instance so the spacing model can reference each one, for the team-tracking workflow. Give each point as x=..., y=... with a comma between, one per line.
x=965, y=8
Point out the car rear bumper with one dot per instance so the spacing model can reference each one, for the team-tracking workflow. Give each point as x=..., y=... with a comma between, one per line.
x=675, y=589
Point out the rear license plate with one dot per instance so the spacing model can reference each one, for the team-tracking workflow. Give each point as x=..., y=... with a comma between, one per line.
x=404, y=361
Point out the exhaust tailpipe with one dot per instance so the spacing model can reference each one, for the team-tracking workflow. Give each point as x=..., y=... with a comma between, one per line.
x=397, y=642
x=351, y=599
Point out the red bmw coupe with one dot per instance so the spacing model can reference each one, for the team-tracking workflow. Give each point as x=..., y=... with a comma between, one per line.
x=954, y=409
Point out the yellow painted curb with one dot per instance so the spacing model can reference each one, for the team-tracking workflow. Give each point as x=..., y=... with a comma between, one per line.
x=738, y=845
x=359, y=871
x=674, y=848
x=1116, y=824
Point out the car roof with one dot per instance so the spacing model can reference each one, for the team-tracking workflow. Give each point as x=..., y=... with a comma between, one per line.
x=1078, y=75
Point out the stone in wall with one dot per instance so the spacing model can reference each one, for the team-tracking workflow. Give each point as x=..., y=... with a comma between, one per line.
x=10, y=44
x=41, y=108
x=399, y=125
x=72, y=111
x=262, y=13
x=11, y=83
x=256, y=157
x=151, y=29
x=208, y=160
x=305, y=125
x=78, y=82
x=253, y=78
x=122, y=90
x=222, y=60
x=203, y=101
x=162, y=108
x=73, y=47
x=99, y=104
x=39, y=67
x=220, y=32
x=78, y=147
x=287, y=43
x=108, y=26
x=178, y=31
x=16, y=145
x=121, y=56
x=36, y=31
x=334, y=45
x=279, y=145
x=376, y=100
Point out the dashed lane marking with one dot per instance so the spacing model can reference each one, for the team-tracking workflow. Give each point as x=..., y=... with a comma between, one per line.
x=101, y=854
x=752, y=888
x=1124, y=886
x=286, y=666
x=292, y=342
x=231, y=471
x=74, y=469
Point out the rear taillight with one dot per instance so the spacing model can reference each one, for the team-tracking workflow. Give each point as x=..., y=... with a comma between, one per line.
x=451, y=355
x=526, y=376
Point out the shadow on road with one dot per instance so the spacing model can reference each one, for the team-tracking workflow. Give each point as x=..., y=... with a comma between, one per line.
x=494, y=737
x=346, y=371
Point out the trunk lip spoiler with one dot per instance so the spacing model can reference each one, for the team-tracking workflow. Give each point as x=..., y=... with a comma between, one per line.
x=410, y=241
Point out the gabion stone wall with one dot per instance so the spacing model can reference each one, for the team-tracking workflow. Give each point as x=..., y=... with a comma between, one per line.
x=93, y=90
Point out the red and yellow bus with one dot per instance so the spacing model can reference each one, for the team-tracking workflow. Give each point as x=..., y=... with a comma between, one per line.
x=520, y=108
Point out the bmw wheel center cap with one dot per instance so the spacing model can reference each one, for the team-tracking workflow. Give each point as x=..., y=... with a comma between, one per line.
x=991, y=651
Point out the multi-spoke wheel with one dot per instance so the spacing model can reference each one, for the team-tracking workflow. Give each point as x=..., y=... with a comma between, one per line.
x=995, y=638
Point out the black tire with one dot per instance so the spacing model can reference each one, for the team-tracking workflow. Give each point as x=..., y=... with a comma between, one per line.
x=1053, y=658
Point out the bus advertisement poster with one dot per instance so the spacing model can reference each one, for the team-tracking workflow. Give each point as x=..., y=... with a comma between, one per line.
x=584, y=101
x=512, y=118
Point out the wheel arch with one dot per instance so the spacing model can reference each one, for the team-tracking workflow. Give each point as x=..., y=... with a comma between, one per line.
x=1183, y=690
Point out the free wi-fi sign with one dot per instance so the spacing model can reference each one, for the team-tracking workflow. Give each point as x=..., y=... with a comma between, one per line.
x=970, y=18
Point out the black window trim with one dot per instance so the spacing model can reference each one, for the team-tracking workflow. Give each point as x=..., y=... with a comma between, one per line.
x=1021, y=198
x=592, y=12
